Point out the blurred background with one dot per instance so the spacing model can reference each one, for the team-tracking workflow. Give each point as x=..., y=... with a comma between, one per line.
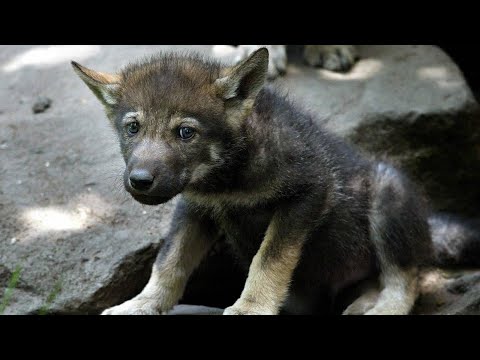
x=465, y=56
x=73, y=242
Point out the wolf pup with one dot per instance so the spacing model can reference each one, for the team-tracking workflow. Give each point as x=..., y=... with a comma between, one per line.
x=305, y=213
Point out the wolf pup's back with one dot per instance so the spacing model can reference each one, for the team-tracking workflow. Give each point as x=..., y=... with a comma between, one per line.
x=305, y=213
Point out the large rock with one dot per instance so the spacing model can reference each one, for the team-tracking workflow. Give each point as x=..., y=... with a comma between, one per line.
x=82, y=244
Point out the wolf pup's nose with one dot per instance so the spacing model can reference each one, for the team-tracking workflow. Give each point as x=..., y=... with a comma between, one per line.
x=141, y=179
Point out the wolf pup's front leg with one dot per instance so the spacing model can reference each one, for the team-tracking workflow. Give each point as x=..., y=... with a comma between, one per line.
x=189, y=239
x=272, y=267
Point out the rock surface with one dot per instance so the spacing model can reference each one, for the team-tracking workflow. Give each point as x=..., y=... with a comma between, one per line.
x=195, y=310
x=67, y=222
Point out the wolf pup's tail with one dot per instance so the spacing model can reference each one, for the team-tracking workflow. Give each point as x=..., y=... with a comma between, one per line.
x=456, y=241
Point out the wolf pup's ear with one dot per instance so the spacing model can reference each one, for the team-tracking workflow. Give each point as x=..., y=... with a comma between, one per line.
x=246, y=79
x=104, y=86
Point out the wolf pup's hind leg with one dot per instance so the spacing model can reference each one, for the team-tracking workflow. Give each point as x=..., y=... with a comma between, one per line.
x=400, y=234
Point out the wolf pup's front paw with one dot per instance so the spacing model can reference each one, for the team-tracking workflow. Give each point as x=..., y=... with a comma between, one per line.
x=245, y=308
x=136, y=306
x=331, y=57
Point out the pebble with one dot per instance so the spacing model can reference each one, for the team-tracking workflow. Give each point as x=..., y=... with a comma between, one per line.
x=41, y=105
x=13, y=241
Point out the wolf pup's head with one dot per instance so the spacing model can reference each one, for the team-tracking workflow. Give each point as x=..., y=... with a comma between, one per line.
x=176, y=117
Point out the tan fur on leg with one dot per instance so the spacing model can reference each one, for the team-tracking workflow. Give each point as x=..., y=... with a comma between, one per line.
x=399, y=292
x=170, y=273
x=368, y=299
x=269, y=277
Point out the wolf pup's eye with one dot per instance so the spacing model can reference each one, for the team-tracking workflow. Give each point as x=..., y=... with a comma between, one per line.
x=133, y=128
x=186, y=132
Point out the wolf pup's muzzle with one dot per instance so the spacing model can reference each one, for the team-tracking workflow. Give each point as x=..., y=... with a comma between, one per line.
x=150, y=187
